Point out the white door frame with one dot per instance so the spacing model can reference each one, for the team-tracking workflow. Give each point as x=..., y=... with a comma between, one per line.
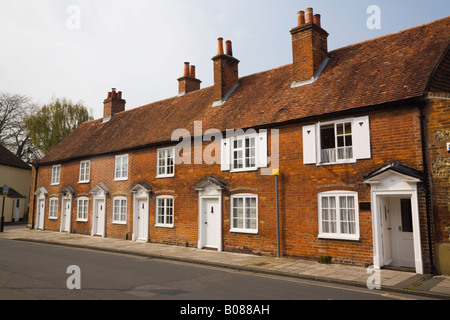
x=394, y=184
x=99, y=192
x=66, y=195
x=215, y=193
x=66, y=200
x=141, y=195
x=41, y=194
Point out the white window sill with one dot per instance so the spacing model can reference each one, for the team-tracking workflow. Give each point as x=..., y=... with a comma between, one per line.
x=52, y=218
x=244, y=170
x=248, y=231
x=339, y=237
x=170, y=226
x=119, y=222
x=83, y=182
x=121, y=179
x=162, y=176
x=81, y=220
x=55, y=184
x=334, y=163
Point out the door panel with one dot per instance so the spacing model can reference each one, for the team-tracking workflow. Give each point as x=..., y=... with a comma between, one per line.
x=211, y=227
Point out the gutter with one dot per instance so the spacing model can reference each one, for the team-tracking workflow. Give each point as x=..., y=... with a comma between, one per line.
x=36, y=167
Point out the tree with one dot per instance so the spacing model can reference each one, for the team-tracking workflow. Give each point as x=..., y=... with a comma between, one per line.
x=13, y=108
x=54, y=122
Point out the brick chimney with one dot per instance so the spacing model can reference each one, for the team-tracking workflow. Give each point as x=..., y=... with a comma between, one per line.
x=113, y=104
x=188, y=83
x=309, y=47
x=226, y=73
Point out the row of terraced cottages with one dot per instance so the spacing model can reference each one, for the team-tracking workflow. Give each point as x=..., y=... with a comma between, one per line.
x=356, y=137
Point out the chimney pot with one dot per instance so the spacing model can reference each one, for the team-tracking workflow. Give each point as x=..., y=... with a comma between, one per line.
x=192, y=72
x=317, y=20
x=220, y=44
x=186, y=69
x=229, y=48
x=109, y=95
x=301, y=18
x=309, y=15
x=119, y=95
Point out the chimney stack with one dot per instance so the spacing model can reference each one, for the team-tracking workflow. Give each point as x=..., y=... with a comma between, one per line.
x=309, y=46
x=188, y=83
x=226, y=73
x=113, y=104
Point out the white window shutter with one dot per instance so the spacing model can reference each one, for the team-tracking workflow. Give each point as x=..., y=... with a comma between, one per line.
x=361, y=138
x=309, y=145
x=225, y=154
x=261, y=145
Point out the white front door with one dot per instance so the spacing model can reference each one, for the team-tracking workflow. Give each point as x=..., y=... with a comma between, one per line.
x=399, y=233
x=99, y=218
x=403, y=233
x=40, y=214
x=386, y=234
x=211, y=223
x=66, y=216
x=17, y=211
x=141, y=214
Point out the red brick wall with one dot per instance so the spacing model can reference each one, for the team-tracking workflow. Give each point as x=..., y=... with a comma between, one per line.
x=395, y=136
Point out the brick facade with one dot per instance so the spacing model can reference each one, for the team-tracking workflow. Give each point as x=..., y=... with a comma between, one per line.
x=299, y=187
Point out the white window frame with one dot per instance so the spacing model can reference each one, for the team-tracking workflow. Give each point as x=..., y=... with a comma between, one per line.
x=243, y=139
x=165, y=215
x=361, y=141
x=244, y=229
x=122, y=210
x=56, y=175
x=83, y=210
x=85, y=171
x=339, y=234
x=260, y=156
x=335, y=125
x=163, y=155
x=121, y=175
x=53, y=208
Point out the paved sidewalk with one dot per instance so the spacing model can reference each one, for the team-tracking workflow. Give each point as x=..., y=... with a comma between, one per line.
x=394, y=281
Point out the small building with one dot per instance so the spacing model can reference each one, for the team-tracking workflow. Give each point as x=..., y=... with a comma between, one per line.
x=16, y=174
x=357, y=135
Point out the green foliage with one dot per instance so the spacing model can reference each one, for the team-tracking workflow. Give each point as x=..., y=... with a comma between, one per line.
x=325, y=259
x=54, y=122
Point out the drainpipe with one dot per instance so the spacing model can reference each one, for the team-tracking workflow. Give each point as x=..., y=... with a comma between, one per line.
x=276, y=173
x=36, y=167
x=426, y=181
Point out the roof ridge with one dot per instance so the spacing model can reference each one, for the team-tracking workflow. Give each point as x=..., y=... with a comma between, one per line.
x=390, y=34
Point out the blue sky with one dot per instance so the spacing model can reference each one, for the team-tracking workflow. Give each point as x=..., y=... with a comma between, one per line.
x=140, y=46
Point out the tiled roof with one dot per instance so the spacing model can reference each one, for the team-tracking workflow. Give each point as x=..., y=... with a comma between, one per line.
x=7, y=158
x=386, y=69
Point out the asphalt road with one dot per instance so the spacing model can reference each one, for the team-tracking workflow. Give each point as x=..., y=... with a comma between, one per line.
x=30, y=271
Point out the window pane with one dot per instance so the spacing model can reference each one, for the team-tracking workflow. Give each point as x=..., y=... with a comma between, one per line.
x=406, y=211
x=348, y=128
